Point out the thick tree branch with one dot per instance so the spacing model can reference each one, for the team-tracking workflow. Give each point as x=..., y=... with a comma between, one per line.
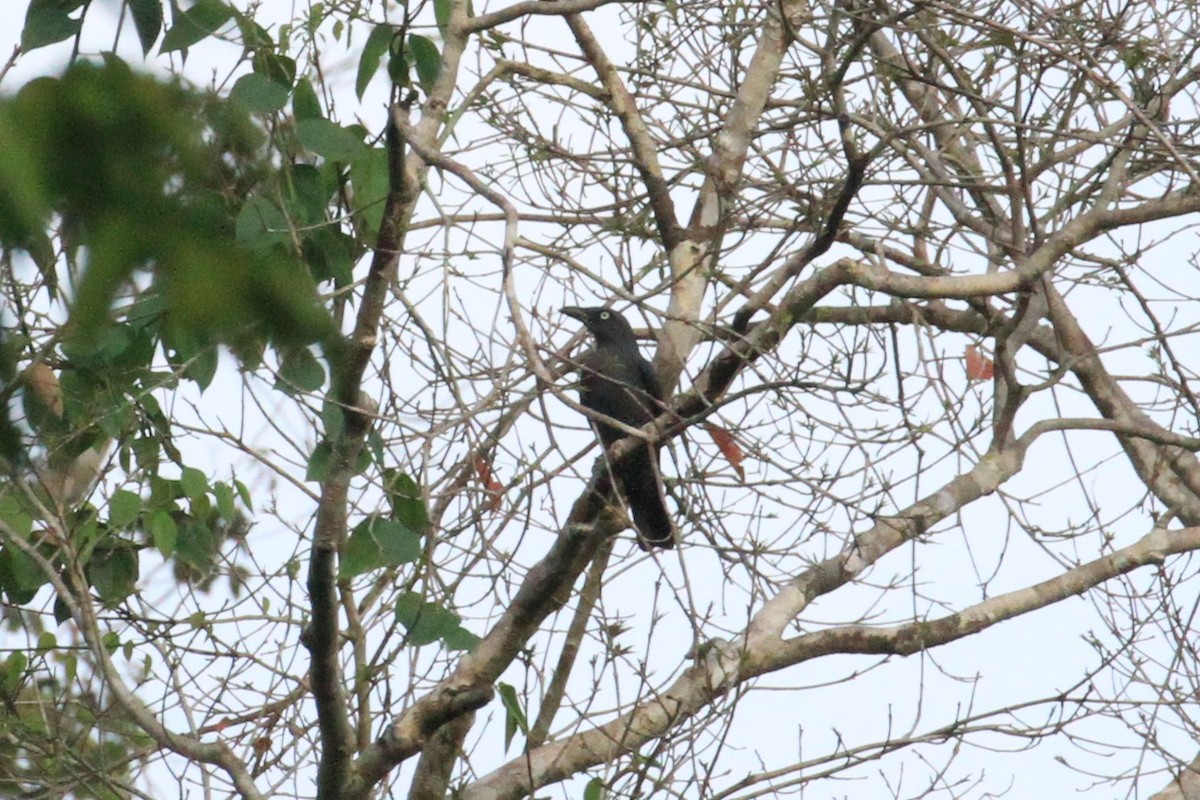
x=530, y=8
x=645, y=148
x=555, y=691
x=725, y=665
x=469, y=686
x=1173, y=475
x=406, y=174
x=694, y=257
x=1153, y=548
x=1185, y=786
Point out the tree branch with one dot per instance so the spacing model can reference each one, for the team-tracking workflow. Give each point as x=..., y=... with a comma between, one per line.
x=67, y=583
x=645, y=149
x=531, y=8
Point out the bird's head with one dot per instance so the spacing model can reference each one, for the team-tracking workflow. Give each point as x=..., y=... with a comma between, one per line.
x=605, y=324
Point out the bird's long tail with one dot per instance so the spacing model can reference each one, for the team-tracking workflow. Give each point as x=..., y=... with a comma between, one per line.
x=644, y=494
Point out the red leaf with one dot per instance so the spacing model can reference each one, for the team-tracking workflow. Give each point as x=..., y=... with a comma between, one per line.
x=493, y=487
x=728, y=447
x=979, y=366
x=217, y=726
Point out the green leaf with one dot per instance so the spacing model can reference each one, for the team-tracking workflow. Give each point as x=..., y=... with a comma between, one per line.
x=276, y=67
x=14, y=671
x=260, y=223
x=378, y=542
x=329, y=253
x=398, y=65
x=244, y=493
x=46, y=641
x=330, y=140
x=425, y=622
x=147, y=18
x=254, y=36
x=428, y=60
x=123, y=509
x=300, y=370
x=316, y=14
x=408, y=503
x=61, y=612
x=86, y=533
x=113, y=571
x=259, y=93
x=9, y=504
x=375, y=445
x=193, y=482
x=164, y=533
x=308, y=198
x=364, y=461
x=369, y=177
x=195, y=548
x=202, y=20
x=305, y=104
x=49, y=21
x=460, y=639
x=225, y=503
x=595, y=790
x=203, y=367
x=41, y=251
x=332, y=419
x=514, y=718
x=146, y=453
x=101, y=351
x=319, y=463
x=13, y=516
x=374, y=50
x=441, y=13
x=20, y=576
x=197, y=358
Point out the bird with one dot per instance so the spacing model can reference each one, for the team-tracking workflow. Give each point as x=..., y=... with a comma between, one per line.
x=616, y=381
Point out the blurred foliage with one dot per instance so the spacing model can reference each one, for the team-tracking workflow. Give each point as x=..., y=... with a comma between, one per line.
x=159, y=214
x=168, y=222
x=141, y=187
x=56, y=738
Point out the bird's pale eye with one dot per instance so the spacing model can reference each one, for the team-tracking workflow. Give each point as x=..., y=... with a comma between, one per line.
x=604, y=315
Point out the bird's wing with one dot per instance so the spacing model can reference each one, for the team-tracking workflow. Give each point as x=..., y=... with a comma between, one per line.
x=650, y=382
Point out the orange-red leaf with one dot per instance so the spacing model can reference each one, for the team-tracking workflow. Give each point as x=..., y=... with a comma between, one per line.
x=495, y=489
x=217, y=726
x=979, y=366
x=728, y=447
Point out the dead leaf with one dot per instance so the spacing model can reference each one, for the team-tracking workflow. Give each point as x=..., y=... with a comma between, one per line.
x=979, y=366
x=728, y=447
x=217, y=726
x=493, y=487
x=44, y=385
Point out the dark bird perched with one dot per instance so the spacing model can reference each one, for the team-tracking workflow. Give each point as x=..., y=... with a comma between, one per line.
x=616, y=381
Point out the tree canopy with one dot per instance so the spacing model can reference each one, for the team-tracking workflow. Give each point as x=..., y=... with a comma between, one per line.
x=299, y=500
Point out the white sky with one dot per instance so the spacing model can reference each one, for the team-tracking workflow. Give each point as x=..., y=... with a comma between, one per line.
x=1032, y=656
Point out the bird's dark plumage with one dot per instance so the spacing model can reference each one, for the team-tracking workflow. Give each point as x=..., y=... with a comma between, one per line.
x=617, y=382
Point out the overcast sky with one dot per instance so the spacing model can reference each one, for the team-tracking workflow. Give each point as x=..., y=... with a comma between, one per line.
x=1005, y=648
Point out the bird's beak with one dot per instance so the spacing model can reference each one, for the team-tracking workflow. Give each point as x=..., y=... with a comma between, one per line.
x=576, y=312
